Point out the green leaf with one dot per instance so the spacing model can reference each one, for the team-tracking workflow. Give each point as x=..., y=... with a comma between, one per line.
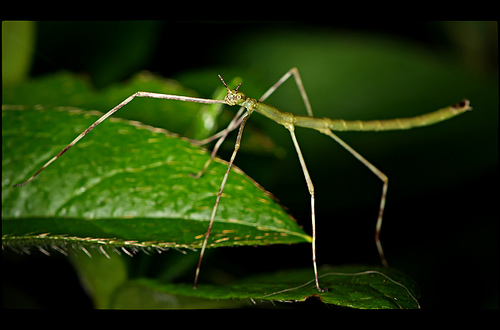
x=349, y=286
x=125, y=185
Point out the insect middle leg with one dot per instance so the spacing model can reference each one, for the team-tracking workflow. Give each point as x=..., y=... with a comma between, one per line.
x=310, y=187
x=219, y=195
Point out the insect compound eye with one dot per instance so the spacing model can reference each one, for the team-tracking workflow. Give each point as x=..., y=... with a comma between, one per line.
x=240, y=96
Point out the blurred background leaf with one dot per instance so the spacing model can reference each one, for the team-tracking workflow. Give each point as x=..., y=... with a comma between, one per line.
x=18, y=38
x=441, y=211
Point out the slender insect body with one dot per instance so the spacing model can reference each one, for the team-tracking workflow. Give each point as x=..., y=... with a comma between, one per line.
x=289, y=121
x=394, y=124
x=280, y=117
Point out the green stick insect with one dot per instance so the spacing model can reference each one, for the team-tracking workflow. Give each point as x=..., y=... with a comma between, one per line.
x=289, y=121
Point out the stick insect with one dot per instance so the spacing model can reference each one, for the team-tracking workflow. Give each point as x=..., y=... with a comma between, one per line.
x=289, y=121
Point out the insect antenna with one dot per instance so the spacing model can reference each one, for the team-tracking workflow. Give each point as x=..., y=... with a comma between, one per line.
x=220, y=77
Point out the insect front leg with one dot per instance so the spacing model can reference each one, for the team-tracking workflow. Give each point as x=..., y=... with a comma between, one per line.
x=300, y=85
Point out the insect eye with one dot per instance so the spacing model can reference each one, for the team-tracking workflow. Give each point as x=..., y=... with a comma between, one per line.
x=240, y=96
